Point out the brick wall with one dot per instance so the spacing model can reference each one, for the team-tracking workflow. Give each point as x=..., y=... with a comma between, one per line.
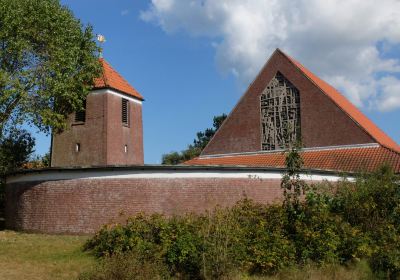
x=83, y=205
x=102, y=137
x=118, y=135
x=89, y=135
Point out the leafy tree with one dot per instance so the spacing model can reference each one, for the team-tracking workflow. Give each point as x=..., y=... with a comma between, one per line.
x=48, y=61
x=194, y=150
x=15, y=150
x=293, y=187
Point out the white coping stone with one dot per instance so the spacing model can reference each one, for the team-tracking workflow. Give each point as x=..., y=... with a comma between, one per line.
x=160, y=174
x=110, y=91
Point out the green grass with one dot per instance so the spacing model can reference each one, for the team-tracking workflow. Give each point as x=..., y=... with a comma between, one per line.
x=40, y=256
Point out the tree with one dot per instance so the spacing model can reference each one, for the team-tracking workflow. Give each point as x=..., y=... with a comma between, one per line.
x=194, y=150
x=15, y=150
x=48, y=61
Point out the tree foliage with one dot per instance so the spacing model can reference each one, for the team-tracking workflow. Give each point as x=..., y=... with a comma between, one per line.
x=15, y=150
x=194, y=150
x=48, y=61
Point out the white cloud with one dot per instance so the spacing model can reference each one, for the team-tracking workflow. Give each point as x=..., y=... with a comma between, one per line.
x=337, y=39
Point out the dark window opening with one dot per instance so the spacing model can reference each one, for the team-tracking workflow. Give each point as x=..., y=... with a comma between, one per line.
x=125, y=112
x=77, y=147
x=80, y=116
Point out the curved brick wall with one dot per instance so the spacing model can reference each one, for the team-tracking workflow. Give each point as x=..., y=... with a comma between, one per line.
x=83, y=205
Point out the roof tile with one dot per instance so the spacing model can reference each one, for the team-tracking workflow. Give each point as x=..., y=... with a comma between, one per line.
x=112, y=79
x=339, y=159
x=341, y=101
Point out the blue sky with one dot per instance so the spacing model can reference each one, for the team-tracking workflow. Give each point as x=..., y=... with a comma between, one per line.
x=190, y=64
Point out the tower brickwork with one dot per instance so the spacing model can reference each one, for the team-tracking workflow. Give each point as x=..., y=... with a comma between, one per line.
x=108, y=132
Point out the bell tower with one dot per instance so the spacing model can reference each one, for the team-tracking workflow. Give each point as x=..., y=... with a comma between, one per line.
x=108, y=132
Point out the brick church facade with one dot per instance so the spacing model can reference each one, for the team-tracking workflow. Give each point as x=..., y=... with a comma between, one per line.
x=97, y=164
x=334, y=133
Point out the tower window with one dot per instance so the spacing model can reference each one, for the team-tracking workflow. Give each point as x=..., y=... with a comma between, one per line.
x=80, y=116
x=126, y=148
x=77, y=147
x=125, y=112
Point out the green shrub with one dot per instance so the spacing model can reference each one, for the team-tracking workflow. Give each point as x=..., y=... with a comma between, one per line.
x=332, y=224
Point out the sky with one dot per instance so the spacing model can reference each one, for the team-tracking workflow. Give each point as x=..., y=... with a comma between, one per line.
x=193, y=59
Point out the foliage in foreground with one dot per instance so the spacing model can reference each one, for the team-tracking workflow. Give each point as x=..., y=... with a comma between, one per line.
x=333, y=225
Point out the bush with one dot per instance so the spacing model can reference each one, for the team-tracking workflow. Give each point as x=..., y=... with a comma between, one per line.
x=332, y=224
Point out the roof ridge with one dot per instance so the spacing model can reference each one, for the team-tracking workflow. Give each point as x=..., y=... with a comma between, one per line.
x=346, y=106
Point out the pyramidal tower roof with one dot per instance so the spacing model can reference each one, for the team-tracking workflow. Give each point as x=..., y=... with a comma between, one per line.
x=110, y=78
x=344, y=104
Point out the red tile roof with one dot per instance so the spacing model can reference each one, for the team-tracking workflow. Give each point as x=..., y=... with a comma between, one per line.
x=339, y=159
x=365, y=123
x=112, y=79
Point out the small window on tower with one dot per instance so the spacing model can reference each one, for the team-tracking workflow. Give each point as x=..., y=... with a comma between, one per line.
x=80, y=116
x=77, y=147
x=125, y=112
x=126, y=148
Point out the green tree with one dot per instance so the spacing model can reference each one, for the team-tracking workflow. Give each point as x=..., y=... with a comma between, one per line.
x=194, y=150
x=15, y=149
x=48, y=61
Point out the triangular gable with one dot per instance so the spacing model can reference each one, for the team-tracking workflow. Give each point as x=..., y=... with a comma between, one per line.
x=351, y=110
x=328, y=118
x=110, y=78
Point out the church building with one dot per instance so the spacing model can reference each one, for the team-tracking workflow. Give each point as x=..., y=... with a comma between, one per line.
x=285, y=104
x=98, y=176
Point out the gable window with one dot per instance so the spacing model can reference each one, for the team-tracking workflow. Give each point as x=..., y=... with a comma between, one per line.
x=80, y=116
x=125, y=112
x=280, y=114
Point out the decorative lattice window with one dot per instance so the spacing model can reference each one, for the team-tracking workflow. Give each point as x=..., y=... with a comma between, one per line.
x=280, y=114
x=80, y=116
x=125, y=112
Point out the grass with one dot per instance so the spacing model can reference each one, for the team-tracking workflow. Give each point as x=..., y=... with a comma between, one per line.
x=40, y=256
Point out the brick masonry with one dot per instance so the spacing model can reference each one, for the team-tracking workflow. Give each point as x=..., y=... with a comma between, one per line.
x=103, y=136
x=81, y=206
x=323, y=123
